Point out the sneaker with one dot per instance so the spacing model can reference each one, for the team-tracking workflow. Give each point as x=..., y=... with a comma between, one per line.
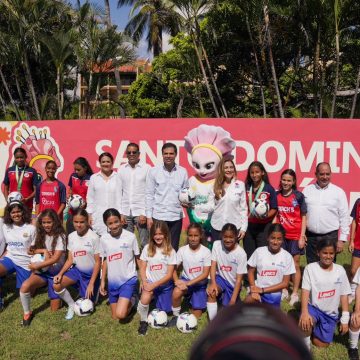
x=26, y=321
x=70, y=313
x=2, y=304
x=172, y=322
x=284, y=294
x=353, y=354
x=294, y=298
x=247, y=290
x=142, y=330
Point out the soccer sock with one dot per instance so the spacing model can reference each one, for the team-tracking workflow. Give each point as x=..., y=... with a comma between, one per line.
x=307, y=342
x=176, y=310
x=143, y=311
x=212, y=309
x=25, y=302
x=353, y=288
x=65, y=295
x=353, y=339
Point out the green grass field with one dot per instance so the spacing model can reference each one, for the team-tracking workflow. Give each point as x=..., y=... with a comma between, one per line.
x=50, y=336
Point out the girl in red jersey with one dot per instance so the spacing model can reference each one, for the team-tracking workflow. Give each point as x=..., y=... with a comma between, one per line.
x=78, y=185
x=21, y=178
x=50, y=193
x=292, y=216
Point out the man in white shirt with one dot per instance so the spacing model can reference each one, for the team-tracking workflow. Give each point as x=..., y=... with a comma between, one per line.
x=327, y=215
x=132, y=187
x=163, y=185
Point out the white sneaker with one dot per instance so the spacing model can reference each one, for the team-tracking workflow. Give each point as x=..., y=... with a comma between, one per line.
x=294, y=298
x=284, y=294
x=70, y=313
x=247, y=290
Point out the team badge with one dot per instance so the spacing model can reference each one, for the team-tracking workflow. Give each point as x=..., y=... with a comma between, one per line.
x=262, y=196
x=295, y=203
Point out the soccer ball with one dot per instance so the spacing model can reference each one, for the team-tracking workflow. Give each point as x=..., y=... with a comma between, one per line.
x=186, y=323
x=14, y=196
x=75, y=202
x=260, y=208
x=157, y=319
x=38, y=258
x=186, y=196
x=83, y=307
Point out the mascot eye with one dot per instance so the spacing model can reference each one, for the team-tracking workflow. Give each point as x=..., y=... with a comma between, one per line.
x=209, y=166
x=196, y=165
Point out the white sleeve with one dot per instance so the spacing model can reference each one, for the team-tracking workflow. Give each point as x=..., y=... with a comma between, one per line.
x=143, y=255
x=136, y=246
x=96, y=245
x=120, y=189
x=207, y=260
x=243, y=210
x=290, y=268
x=253, y=259
x=242, y=268
x=185, y=180
x=306, y=281
x=344, y=217
x=214, y=254
x=60, y=246
x=150, y=193
x=118, y=193
x=345, y=285
x=172, y=258
x=179, y=257
x=90, y=197
x=356, y=278
x=102, y=249
x=2, y=238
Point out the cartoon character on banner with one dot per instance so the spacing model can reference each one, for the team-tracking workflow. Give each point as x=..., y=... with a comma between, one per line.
x=207, y=145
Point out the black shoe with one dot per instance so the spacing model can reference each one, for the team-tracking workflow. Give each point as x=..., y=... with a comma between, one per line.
x=353, y=354
x=142, y=330
x=26, y=321
x=172, y=322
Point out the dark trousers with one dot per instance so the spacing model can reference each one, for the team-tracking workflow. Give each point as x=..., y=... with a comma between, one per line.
x=175, y=232
x=256, y=236
x=215, y=234
x=312, y=241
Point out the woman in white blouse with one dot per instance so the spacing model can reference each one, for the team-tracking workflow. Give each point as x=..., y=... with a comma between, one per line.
x=103, y=193
x=230, y=200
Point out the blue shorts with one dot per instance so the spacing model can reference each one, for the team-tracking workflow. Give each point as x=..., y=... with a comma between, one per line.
x=126, y=290
x=356, y=253
x=227, y=290
x=271, y=299
x=325, y=325
x=197, y=295
x=163, y=296
x=292, y=247
x=21, y=273
x=49, y=279
x=82, y=281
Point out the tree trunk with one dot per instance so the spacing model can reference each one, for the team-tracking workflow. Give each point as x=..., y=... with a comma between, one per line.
x=88, y=94
x=18, y=117
x=296, y=69
x=107, y=13
x=322, y=84
x=258, y=72
x=336, y=85
x=316, y=72
x=179, y=107
x=157, y=46
x=3, y=104
x=205, y=77
x=23, y=104
x=353, y=107
x=58, y=85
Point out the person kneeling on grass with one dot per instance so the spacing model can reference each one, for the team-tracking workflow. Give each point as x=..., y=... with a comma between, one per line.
x=355, y=321
x=195, y=260
x=324, y=286
x=228, y=264
x=273, y=266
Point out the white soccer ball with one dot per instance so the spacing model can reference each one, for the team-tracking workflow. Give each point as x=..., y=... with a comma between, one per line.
x=75, y=202
x=157, y=319
x=14, y=196
x=186, y=196
x=83, y=307
x=260, y=208
x=39, y=258
x=186, y=323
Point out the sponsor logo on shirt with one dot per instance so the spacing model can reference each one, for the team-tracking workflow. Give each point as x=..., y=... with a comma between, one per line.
x=117, y=256
x=88, y=244
x=156, y=267
x=226, y=268
x=195, y=269
x=47, y=202
x=326, y=294
x=26, y=175
x=15, y=244
x=268, y=273
x=338, y=281
x=79, y=253
x=48, y=193
x=124, y=246
x=286, y=209
x=295, y=203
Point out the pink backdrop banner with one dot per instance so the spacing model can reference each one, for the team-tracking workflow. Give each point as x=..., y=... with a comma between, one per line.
x=278, y=143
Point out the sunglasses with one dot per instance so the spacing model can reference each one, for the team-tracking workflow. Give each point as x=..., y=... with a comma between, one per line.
x=131, y=152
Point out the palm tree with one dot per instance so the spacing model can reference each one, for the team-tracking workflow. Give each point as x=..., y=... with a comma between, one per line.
x=154, y=17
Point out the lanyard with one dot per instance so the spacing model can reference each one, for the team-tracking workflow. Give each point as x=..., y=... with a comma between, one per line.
x=19, y=180
x=261, y=188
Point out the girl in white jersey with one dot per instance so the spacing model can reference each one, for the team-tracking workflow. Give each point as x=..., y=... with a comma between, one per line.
x=50, y=241
x=273, y=266
x=120, y=253
x=195, y=260
x=228, y=264
x=18, y=233
x=354, y=330
x=324, y=287
x=82, y=266
x=157, y=263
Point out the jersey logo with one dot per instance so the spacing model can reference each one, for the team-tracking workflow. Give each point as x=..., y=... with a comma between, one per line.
x=268, y=273
x=117, y=256
x=79, y=253
x=326, y=294
x=156, y=267
x=195, y=269
x=226, y=268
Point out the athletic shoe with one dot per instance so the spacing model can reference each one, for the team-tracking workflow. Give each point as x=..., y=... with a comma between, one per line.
x=172, y=322
x=142, y=330
x=284, y=294
x=2, y=304
x=26, y=321
x=70, y=313
x=294, y=298
x=353, y=354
